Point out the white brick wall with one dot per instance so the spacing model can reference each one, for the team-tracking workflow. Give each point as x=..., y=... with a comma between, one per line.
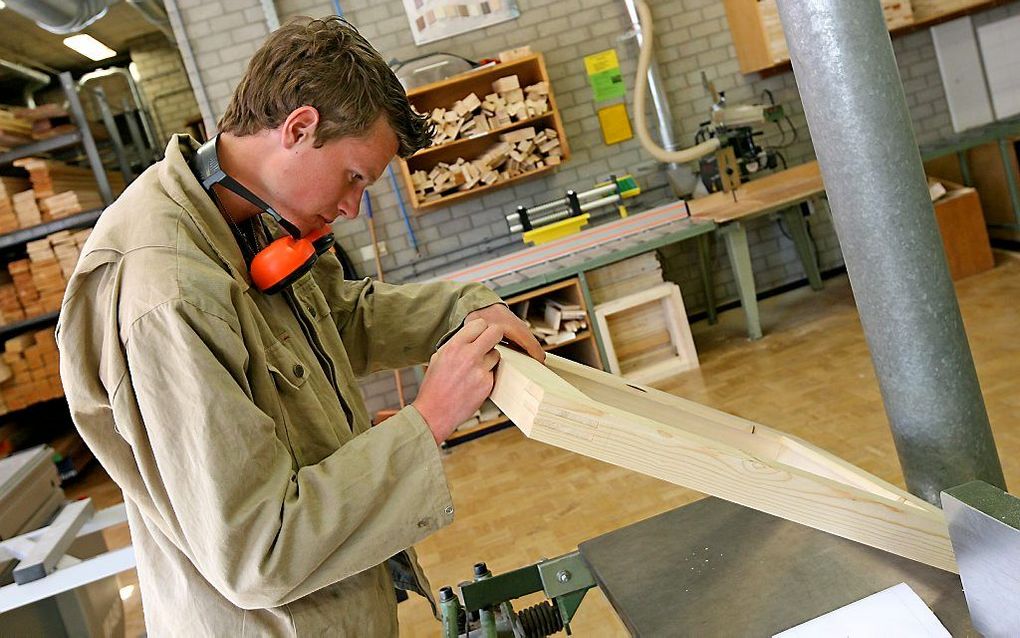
x=693, y=36
x=164, y=84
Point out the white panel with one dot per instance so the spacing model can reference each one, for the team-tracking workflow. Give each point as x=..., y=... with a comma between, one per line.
x=962, y=76
x=1000, y=49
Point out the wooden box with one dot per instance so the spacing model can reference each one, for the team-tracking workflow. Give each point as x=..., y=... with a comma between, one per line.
x=964, y=236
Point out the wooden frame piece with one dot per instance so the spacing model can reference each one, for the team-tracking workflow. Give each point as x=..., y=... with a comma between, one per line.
x=668, y=296
x=595, y=414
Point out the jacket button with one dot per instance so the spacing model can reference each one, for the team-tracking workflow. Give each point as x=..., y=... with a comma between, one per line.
x=299, y=370
x=312, y=311
x=449, y=510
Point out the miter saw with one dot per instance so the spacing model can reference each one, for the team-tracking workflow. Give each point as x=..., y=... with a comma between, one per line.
x=739, y=155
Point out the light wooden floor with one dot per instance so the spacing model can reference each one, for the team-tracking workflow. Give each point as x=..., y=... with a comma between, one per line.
x=518, y=501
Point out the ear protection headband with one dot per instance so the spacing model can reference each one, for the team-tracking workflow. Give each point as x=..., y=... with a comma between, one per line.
x=286, y=259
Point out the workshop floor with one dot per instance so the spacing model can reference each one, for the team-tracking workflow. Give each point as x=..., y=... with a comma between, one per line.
x=519, y=501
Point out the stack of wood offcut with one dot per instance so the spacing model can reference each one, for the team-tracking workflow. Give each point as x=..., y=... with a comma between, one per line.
x=58, y=190
x=518, y=152
x=624, y=278
x=48, y=120
x=37, y=284
x=508, y=103
x=14, y=130
x=10, y=186
x=31, y=370
x=553, y=321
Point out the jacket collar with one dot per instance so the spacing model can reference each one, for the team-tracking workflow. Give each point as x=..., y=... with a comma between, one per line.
x=183, y=187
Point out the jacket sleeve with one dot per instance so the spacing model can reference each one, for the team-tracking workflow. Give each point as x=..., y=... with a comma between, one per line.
x=220, y=473
x=386, y=326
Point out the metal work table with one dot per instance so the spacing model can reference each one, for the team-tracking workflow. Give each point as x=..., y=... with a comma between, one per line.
x=713, y=568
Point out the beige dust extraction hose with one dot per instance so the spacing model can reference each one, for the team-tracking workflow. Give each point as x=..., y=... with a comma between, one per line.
x=640, y=90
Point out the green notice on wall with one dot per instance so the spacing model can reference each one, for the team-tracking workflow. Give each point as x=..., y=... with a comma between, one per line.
x=604, y=75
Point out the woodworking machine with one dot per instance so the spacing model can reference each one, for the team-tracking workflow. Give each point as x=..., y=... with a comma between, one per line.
x=714, y=568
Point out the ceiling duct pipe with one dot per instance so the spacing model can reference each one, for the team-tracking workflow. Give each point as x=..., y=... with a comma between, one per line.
x=60, y=16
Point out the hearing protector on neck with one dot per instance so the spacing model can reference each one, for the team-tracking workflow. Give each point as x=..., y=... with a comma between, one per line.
x=286, y=259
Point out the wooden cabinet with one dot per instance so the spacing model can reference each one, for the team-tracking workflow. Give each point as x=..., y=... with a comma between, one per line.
x=761, y=45
x=530, y=70
x=993, y=169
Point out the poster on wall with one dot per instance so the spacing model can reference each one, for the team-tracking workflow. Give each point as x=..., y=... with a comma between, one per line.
x=433, y=20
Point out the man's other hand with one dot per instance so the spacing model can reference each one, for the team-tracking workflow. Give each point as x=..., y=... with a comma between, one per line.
x=459, y=377
x=513, y=328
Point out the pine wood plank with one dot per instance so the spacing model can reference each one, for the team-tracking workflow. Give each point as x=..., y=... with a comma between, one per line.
x=601, y=416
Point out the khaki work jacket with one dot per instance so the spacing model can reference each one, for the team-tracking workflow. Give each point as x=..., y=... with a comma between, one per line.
x=260, y=500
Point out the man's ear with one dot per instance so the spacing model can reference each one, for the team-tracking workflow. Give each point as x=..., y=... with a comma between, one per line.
x=299, y=127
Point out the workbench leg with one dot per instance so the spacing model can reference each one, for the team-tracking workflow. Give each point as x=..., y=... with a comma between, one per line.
x=705, y=259
x=796, y=224
x=740, y=260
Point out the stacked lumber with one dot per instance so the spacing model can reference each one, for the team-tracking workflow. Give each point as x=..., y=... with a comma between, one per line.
x=37, y=284
x=10, y=186
x=472, y=116
x=14, y=130
x=518, y=152
x=34, y=366
x=46, y=274
x=50, y=177
x=48, y=120
x=69, y=203
x=624, y=278
x=26, y=209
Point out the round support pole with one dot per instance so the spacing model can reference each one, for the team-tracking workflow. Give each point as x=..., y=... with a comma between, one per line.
x=857, y=114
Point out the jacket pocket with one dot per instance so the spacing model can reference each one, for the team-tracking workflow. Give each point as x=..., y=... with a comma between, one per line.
x=285, y=366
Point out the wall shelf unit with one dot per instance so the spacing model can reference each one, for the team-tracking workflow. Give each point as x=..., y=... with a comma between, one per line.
x=530, y=70
x=761, y=46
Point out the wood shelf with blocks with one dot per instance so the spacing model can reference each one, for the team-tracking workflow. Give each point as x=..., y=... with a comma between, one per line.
x=495, y=126
x=569, y=335
x=761, y=44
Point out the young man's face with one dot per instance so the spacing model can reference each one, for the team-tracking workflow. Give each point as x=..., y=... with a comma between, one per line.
x=316, y=186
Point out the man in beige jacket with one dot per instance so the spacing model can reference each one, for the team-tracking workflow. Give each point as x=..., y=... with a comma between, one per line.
x=260, y=500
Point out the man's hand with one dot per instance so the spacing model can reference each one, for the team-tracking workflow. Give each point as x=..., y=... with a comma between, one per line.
x=459, y=377
x=513, y=328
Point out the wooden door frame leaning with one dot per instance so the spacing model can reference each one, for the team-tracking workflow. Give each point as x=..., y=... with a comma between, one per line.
x=790, y=193
x=668, y=296
x=602, y=416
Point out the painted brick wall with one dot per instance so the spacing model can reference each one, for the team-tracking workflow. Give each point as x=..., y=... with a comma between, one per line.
x=692, y=36
x=164, y=84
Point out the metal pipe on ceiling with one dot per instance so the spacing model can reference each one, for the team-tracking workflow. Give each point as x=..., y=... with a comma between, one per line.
x=60, y=16
x=861, y=129
x=35, y=79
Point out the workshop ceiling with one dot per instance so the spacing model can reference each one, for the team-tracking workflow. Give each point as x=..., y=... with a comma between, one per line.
x=22, y=41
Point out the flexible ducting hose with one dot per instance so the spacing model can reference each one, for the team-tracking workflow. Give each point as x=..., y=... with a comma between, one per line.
x=640, y=90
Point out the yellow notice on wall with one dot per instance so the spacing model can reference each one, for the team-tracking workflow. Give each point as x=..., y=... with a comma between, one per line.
x=599, y=62
x=615, y=123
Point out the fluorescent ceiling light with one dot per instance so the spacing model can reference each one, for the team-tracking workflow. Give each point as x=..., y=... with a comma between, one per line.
x=89, y=47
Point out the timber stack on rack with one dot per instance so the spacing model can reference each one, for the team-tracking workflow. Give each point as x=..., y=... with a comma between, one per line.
x=47, y=120
x=10, y=186
x=31, y=370
x=58, y=190
x=517, y=152
x=14, y=130
x=37, y=284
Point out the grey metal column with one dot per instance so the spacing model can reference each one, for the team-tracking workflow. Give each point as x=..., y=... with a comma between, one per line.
x=857, y=114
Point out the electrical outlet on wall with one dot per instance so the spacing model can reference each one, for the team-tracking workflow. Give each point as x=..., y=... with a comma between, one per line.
x=367, y=254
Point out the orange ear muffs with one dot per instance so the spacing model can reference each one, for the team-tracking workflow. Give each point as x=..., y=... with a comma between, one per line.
x=281, y=263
